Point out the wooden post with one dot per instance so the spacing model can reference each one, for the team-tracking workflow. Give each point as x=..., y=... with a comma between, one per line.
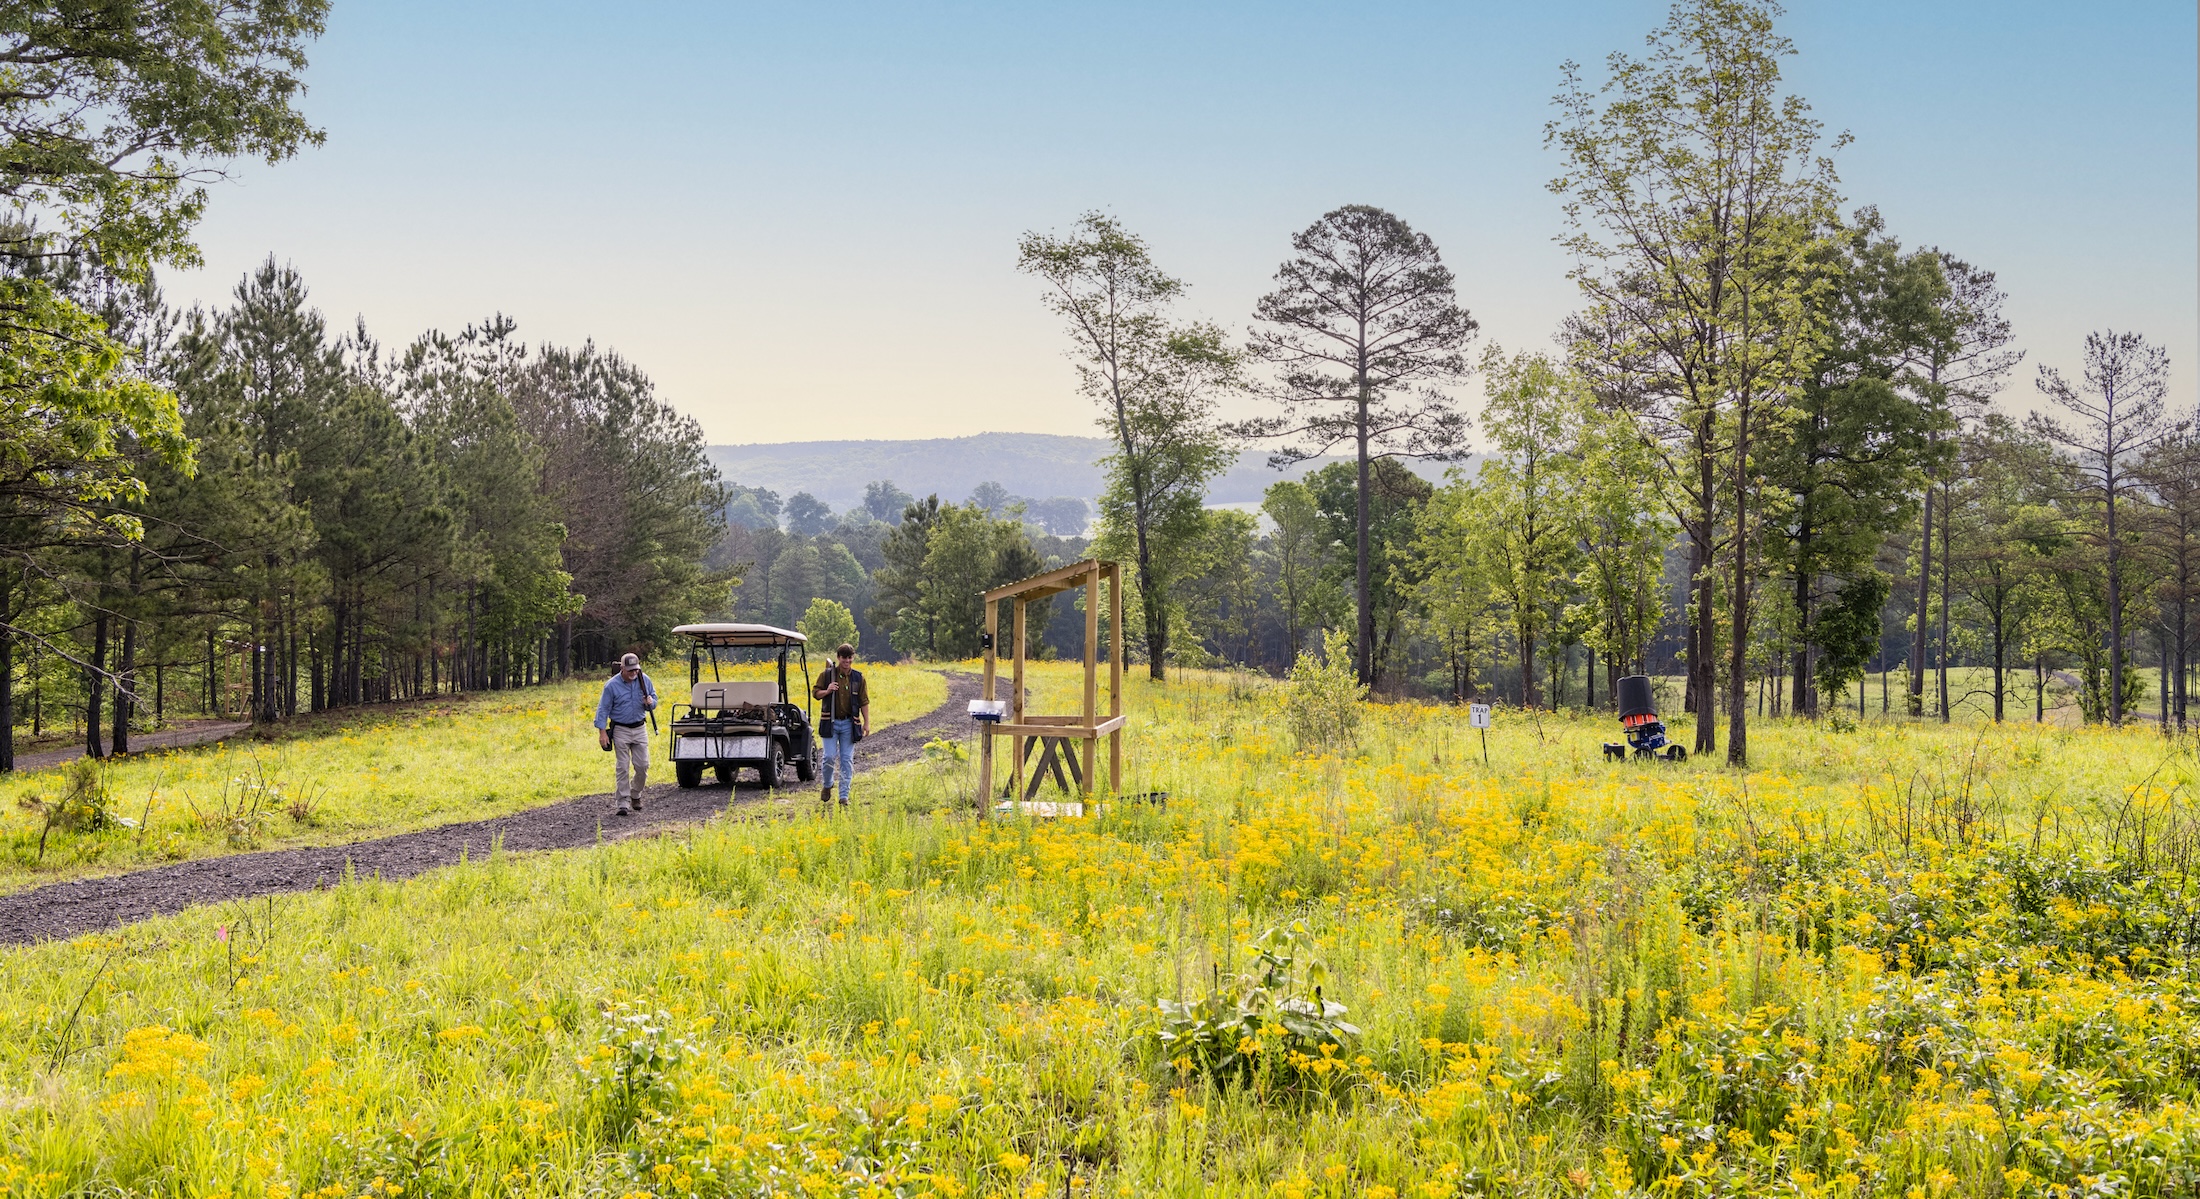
x=1016, y=707
x=1115, y=675
x=985, y=729
x=1092, y=668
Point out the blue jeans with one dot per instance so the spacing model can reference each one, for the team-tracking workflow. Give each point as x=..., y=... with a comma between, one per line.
x=838, y=745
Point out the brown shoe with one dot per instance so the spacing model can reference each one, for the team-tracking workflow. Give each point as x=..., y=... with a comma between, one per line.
x=825, y=793
x=637, y=803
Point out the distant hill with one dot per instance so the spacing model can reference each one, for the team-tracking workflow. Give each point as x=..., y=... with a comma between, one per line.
x=1035, y=465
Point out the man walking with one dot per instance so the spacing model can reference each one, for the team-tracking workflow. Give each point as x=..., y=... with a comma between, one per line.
x=628, y=698
x=845, y=720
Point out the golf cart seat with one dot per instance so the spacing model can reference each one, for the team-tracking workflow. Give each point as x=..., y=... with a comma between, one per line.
x=719, y=697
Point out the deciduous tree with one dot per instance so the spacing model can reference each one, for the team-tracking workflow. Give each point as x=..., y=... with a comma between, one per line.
x=1694, y=193
x=1156, y=382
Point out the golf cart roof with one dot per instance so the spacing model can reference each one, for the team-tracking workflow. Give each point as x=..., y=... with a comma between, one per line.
x=740, y=634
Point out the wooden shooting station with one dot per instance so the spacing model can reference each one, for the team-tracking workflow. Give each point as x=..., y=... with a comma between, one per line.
x=1054, y=735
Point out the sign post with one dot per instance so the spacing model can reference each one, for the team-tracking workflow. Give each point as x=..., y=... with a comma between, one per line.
x=1478, y=717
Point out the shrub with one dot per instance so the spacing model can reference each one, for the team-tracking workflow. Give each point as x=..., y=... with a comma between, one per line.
x=1321, y=701
x=1270, y=1022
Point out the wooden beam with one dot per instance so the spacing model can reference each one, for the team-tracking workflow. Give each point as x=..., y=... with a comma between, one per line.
x=1115, y=677
x=1092, y=663
x=1016, y=703
x=1079, y=732
x=985, y=734
x=1061, y=578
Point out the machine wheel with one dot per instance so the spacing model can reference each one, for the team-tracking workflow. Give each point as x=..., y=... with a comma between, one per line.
x=1675, y=753
x=688, y=774
x=773, y=764
x=805, y=770
x=724, y=772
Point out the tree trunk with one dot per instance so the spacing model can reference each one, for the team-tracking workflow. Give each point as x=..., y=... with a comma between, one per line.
x=126, y=687
x=1940, y=651
x=1805, y=702
x=1924, y=600
x=1737, y=734
x=2001, y=653
x=1529, y=698
x=95, y=688
x=1152, y=596
x=2115, y=606
x=1702, y=670
x=7, y=672
x=1366, y=624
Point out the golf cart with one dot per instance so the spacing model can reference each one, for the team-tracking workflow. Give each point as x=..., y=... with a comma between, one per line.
x=729, y=724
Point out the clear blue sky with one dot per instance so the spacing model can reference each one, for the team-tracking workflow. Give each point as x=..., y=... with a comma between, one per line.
x=801, y=218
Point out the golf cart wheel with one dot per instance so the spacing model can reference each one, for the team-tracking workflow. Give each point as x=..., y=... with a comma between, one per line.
x=1676, y=753
x=724, y=773
x=688, y=774
x=804, y=770
x=774, y=764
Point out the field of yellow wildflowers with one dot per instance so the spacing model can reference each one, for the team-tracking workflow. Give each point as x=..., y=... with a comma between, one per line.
x=1905, y=961
x=377, y=772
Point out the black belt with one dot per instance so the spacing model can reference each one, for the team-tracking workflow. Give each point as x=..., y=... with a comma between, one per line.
x=621, y=724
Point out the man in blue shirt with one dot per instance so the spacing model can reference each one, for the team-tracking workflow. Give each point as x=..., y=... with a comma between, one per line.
x=628, y=698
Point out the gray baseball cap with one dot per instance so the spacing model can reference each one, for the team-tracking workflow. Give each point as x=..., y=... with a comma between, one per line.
x=629, y=660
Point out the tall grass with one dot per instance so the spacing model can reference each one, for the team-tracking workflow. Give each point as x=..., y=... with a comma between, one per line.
x=377, y=772
x=1904, y=961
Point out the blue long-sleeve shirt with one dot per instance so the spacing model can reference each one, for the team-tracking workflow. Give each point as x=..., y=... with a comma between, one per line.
x=622, y=701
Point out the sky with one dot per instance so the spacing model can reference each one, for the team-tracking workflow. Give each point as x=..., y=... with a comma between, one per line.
x=801, y=219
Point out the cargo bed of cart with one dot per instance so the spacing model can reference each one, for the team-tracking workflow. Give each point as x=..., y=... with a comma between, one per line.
x=730, y=725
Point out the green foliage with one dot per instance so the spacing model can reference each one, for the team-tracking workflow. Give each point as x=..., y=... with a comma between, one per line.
x=1321, y=702
x=1848, y=631
x=641, y=503
x=966, y=553
x=1715, y=294
x=115, y=113
x=1395, y=498
x=899, y=581
x=632, y=1064
x=1307, y=590
x=828, y=624
x=1268, y=1025
x=82, y=807
x=75, y=420
x=1156, y=383
x=885, y=502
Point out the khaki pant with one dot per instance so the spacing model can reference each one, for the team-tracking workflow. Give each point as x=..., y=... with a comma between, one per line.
x=630, y=747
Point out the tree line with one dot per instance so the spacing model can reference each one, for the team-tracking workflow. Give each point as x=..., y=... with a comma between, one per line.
x=239, y=511
x=1762, y=453
x=358, y=524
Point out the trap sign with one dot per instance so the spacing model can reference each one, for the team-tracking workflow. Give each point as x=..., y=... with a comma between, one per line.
x=1478, y=717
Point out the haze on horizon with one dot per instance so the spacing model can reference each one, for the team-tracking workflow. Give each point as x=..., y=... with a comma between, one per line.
x=801, y=221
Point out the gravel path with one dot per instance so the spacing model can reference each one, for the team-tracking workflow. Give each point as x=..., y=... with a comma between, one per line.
x=88, y=905
x=190, y=732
